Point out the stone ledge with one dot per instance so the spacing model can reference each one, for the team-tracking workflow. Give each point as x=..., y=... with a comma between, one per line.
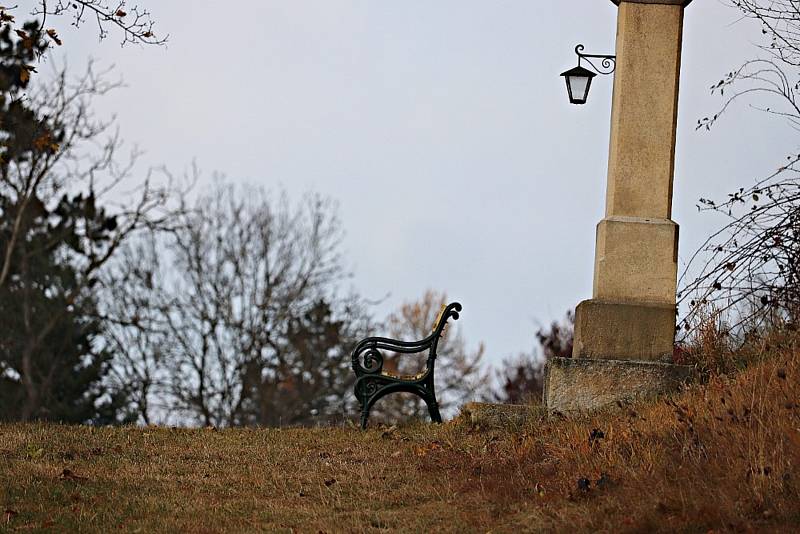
x=579, y=385
x=509, y=416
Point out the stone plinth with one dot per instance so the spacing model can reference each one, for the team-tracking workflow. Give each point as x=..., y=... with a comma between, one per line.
x=575, y=385
x=622, y=331
x=636, y=260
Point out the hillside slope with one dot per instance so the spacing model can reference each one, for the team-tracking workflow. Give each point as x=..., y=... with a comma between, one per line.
x=721, y=456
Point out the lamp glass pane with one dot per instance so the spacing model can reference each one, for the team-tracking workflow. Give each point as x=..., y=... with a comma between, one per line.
x=578, y=87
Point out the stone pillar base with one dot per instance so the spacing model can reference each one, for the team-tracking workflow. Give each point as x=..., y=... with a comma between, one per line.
x=580, y=385
x=636, y=259
x=622, y=331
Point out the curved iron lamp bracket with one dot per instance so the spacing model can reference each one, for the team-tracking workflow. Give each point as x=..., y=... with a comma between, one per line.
x=608, y=63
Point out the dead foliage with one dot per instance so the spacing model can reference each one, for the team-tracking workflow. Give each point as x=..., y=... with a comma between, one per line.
x=720, y=456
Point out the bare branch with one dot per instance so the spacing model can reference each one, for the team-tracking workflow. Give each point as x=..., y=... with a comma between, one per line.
x=135, y=23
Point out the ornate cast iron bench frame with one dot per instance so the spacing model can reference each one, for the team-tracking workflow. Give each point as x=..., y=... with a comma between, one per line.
x=372, y=382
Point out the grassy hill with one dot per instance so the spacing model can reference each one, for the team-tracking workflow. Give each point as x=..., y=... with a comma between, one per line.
x=719, y=456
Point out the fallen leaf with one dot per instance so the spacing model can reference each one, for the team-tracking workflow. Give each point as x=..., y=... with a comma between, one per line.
x=330, y=482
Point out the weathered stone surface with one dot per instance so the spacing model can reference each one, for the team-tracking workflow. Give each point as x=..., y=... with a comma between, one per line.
x=624, y=331
x=636, y=260
x=490, y=415
x=630, y=321
x=584, y=385
x=632, y=312
x=644, y=109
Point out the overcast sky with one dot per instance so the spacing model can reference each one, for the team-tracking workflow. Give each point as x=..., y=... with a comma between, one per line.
x=441, y=127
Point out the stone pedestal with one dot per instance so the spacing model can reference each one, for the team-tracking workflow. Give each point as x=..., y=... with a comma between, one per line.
x=575, y=385
x=624, y=331
x=630, y=319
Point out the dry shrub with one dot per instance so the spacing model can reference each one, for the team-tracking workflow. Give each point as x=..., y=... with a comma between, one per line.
x=710, y=348
x=721, y=455
x=713, y=348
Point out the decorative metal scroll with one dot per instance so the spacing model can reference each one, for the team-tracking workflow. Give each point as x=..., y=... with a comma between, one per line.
x=608, y=63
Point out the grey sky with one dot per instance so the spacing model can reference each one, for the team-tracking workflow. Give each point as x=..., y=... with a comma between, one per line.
x=441, y=127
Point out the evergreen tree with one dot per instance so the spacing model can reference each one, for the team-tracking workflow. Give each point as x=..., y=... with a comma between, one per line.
x=312, y=380
x=51, y=244
x=51, y=366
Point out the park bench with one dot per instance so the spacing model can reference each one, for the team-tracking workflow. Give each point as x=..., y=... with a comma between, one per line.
x=373, y=382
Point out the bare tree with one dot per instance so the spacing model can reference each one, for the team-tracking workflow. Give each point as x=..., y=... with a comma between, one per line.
x=134, y=23
x=460, y=375
x=62, y=168
x=522, y=378
x=780, y=24
x=83, y=153
x=750, y=268
x=245, y=325
x=135, y=330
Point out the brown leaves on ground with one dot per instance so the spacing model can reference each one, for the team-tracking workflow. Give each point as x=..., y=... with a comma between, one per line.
x=723, y=456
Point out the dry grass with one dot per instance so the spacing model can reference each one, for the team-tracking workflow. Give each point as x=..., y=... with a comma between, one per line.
x=721, y=456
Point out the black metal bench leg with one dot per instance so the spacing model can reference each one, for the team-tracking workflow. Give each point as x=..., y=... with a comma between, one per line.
x=433, y=409
x=364, y=416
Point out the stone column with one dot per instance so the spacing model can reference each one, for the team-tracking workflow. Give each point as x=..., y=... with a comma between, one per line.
x=624, y=334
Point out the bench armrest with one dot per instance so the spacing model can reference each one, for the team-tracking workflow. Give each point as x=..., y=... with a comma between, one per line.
x=369, y=350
